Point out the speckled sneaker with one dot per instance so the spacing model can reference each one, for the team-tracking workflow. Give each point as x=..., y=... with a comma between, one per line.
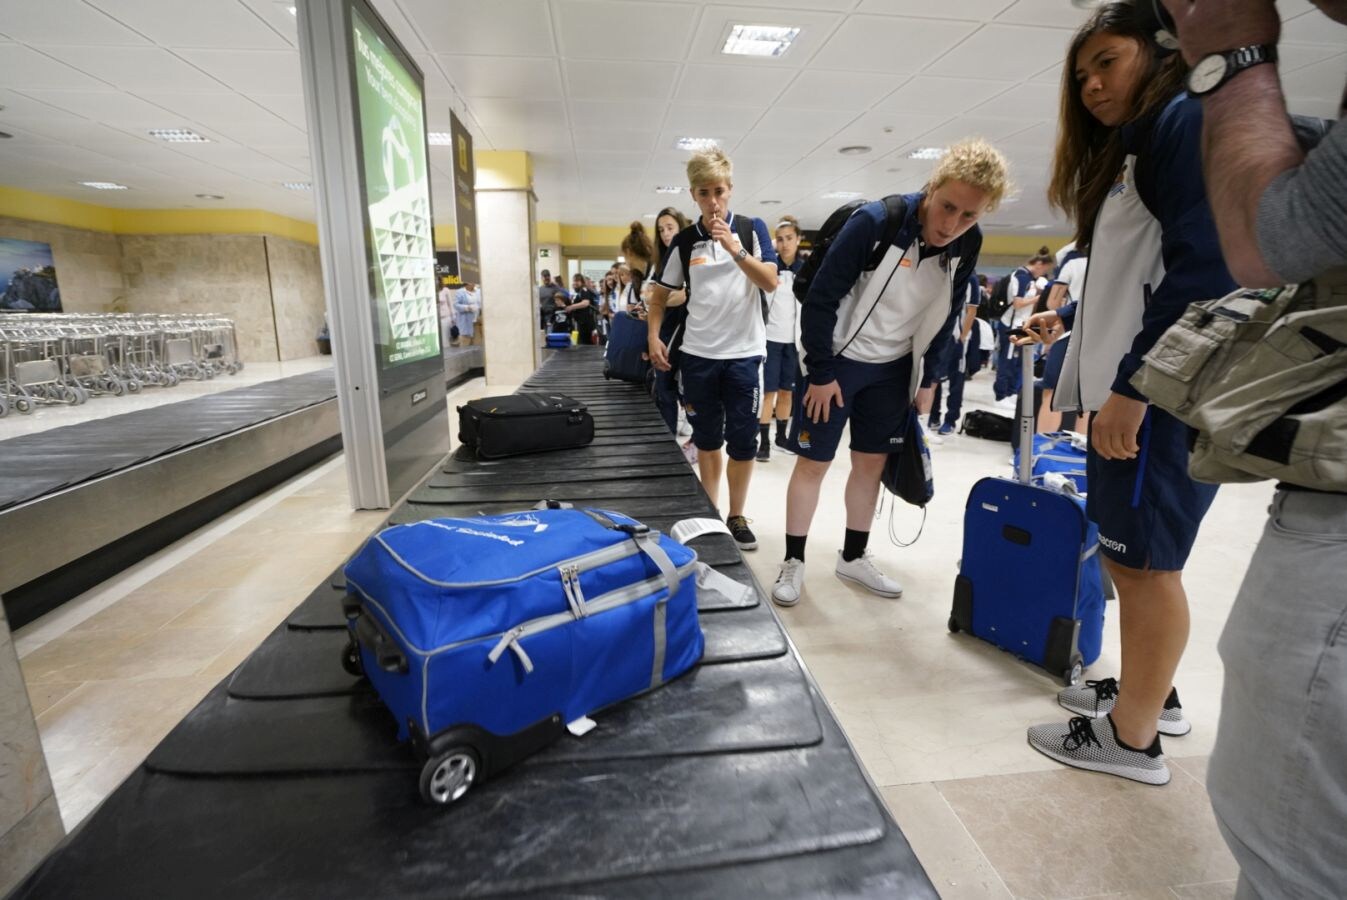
x=1096, y=698
x=1092, y=744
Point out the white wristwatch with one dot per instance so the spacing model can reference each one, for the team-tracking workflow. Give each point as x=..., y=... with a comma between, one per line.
x=1216, y=69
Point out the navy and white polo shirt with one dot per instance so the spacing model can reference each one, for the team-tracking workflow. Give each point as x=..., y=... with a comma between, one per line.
x=724, y=307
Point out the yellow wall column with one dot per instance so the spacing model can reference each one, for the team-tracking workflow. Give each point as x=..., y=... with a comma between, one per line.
x=505, y=222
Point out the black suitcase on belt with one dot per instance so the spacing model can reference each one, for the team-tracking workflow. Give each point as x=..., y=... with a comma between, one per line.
x=524, y=423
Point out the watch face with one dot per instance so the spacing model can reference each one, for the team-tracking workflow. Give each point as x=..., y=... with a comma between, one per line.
x=1207, y=74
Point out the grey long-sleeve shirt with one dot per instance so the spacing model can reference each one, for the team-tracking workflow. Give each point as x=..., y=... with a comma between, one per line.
x=1302, y=216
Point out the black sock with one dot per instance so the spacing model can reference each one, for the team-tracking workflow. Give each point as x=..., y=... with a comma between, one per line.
x=795, y=546
x=763, y=432
x=781, y=428
x=853, y=546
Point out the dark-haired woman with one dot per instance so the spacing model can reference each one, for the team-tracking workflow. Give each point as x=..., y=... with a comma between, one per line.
x=667, y=224
x=1128, y=169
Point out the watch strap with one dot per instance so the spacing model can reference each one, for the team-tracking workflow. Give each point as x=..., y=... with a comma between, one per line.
x=1242, y=58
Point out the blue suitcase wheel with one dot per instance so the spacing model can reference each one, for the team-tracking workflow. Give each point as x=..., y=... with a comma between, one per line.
x=447, y=776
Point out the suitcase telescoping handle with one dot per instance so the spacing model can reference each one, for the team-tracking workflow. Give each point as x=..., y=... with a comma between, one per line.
x=1026, y=422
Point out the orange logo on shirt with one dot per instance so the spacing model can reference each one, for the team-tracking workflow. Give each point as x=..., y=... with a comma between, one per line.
x=697, y=260
x=906, y=263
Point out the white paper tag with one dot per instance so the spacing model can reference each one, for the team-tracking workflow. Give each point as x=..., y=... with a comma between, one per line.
x=581, y=726
x=691, y=529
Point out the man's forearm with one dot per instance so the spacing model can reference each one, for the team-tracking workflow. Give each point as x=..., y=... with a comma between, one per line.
x=1240, y=162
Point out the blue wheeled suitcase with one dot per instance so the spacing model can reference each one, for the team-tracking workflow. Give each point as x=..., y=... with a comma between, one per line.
x=1030, y=579
x=623, y=358
x=488, y=637
x=558, y=340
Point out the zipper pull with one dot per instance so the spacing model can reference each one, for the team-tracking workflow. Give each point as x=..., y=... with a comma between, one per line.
x=510, y=639
x=578, y=592
x=571, y=586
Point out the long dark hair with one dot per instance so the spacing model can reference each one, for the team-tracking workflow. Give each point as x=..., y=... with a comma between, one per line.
x=663, y=248
x=1090, y=153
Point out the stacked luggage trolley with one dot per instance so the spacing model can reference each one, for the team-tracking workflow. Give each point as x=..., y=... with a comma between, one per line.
x=58, y=359
x=732, y=780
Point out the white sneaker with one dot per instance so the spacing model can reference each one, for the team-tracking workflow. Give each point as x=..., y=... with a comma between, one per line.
x=1007, y=403
x=864, y=572
x=789, y=583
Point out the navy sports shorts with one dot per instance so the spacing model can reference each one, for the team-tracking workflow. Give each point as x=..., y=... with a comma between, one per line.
x=1148, y=509
x=1052, y=368
x=778, y=372
x=875, y=397
x=721, y=398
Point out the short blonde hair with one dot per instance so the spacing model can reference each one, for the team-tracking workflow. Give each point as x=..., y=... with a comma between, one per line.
x=977, y=164
x=709, y=167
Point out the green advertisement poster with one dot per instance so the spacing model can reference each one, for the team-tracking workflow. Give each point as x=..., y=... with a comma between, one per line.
x=397, y=198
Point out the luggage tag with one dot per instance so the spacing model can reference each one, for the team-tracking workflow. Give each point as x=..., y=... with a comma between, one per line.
x=581, y=726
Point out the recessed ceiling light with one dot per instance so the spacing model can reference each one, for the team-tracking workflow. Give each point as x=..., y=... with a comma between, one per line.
x=291, y=10
x=179, y=135
x=1037, y=227
x=694, y=143
x=668, y=189
x=650, y=216
x=297, y=185
x=927, y=153
x=104, y=185
x=770, y=202
x=841, y=195
x=759, y=40
x=439, y=138
x=210, y=196
x=854, y=150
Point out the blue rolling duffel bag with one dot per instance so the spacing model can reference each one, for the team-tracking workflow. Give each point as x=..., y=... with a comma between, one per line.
x=627, y=341
x=487, y=637
x=1030, y=580
x=1057, y=453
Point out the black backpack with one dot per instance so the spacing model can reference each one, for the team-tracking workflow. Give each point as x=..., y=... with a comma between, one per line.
x=993, y=306
x=895, y=210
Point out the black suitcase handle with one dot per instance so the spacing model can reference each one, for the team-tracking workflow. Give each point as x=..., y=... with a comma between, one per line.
x=372, y=635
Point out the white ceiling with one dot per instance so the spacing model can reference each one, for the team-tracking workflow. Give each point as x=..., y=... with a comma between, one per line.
x=596, y=90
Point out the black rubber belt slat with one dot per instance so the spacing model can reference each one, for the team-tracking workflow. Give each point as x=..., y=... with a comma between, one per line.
x=584, y=456
x=732, y=808
x=479, y=476
x=305, y=662
x=576, y=492
x=767, y=699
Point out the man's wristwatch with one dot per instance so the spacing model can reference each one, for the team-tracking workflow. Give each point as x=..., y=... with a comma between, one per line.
x=1216, y=69
x=742, y=254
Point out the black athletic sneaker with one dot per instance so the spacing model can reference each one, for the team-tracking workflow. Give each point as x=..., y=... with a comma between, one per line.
x=764, y=450
x=782, y=444
x=743, y=535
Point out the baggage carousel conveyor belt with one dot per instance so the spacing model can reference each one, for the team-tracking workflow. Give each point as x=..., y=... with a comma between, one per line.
x=153, y=475
x=287, y=781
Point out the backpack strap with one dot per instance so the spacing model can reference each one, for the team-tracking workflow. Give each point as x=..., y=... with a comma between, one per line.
x=895, y=213
x=743, y=229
